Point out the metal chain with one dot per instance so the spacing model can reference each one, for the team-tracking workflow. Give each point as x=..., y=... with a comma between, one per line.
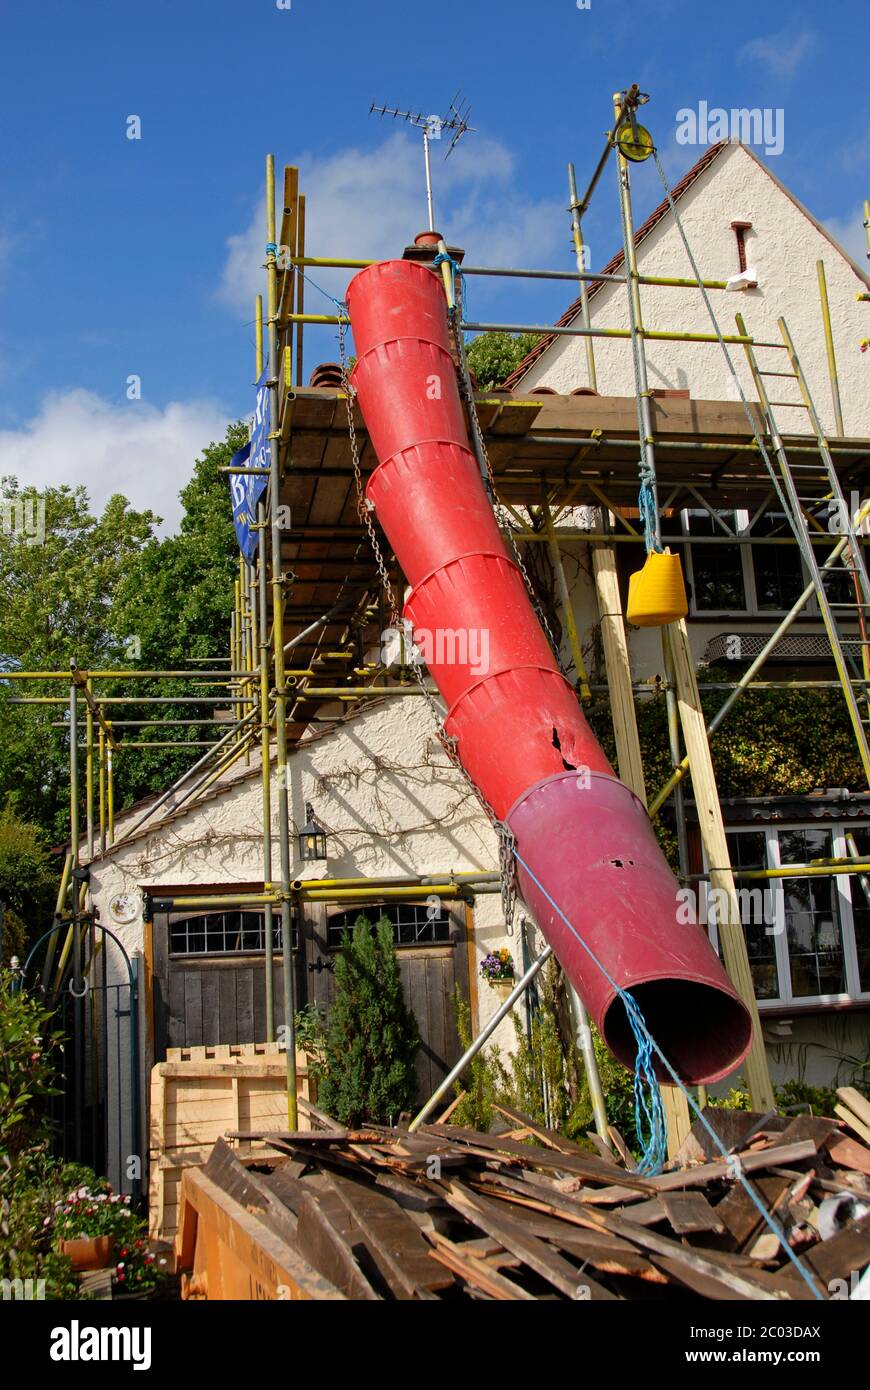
x=363, y=509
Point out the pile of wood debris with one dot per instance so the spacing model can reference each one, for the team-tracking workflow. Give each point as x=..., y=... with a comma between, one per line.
x=526, y=1214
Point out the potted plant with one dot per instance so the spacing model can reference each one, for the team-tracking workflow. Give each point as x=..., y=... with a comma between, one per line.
x=497, y=968
x=88, y=1222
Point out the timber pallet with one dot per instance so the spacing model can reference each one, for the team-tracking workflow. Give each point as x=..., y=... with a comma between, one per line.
x=197, y=1095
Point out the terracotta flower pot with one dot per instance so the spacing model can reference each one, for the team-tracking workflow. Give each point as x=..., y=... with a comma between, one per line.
x=502, y=987
x=89, y=1252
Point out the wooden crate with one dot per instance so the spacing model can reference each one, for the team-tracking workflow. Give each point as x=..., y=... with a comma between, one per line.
x=199, y=1094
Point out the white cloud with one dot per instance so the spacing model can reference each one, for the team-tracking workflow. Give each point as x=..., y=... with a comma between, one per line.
x=147, y=454
x=849, y=232
x=780, y=53
x=369, y=204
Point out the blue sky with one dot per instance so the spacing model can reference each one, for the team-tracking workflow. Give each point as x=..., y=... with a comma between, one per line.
x=122, y=257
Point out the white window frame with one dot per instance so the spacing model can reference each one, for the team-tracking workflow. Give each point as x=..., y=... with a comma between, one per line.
x=736, y=521
x=839, y=850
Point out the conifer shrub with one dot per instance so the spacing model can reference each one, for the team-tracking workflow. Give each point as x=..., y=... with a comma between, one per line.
x=371, y=1036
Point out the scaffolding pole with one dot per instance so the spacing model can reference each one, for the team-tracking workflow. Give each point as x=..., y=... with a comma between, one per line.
x=262, y=610
x=830, y=351
x=278, y=581
x=579, y=251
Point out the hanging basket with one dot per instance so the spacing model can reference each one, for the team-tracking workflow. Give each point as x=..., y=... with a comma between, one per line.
x=656, y=593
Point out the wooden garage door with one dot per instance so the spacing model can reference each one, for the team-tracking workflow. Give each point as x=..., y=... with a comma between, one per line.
x=210, y=979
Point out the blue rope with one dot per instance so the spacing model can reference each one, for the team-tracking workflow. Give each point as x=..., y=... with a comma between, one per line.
x=340, y=304
x=646, y=503
x=639, y=1027
x=271, y=248
x=444, y=258
x=649, y=1115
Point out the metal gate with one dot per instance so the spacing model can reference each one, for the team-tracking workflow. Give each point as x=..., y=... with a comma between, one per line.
x=96, y=1111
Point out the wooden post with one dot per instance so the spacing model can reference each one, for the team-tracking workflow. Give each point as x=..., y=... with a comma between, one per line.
x=580, y=678
x=716, y=846
x=618, y=666
x=628, y=754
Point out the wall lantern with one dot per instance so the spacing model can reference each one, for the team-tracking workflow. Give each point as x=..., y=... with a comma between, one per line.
x=312, y=837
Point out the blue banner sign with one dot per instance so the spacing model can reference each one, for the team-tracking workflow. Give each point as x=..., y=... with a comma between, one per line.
x=248, y=488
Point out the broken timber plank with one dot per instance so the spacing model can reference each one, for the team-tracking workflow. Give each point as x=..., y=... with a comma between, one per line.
x=839, y=1256
x=739, y=1213
x=731, y=1127
x=815, y=1127
x=855, y=1123
x=323, y=1241
x=848, y=1153
x=475, y=1270
x=858, y=1104
x=308, y=1138
x=249, y=1190
x=393, y=1239
x=485, y=1214
x=583, y=1165
x=690, y=1211
x=750, y=1161
x=686, y=1265
x=319, y=1116
x=548, y=1137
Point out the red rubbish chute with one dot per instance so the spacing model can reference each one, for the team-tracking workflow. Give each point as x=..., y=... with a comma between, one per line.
x=521, y=734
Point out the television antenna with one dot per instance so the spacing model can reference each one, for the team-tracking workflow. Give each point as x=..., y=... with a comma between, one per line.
x=433, y=128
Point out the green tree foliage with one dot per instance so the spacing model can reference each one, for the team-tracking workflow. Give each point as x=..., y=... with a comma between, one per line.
x=104, y=590
x=176, y=596
x=175, y=603
x=56, y=595
x=371, y=1037
x=27, y=1065
x=493, y=356
x=55, y=604
x=28, y=884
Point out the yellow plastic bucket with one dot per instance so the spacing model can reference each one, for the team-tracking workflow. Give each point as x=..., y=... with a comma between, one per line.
x=656, y=593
